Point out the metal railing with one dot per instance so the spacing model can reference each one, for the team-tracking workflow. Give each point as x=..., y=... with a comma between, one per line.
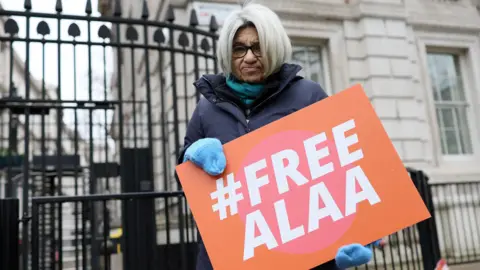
x=175, y=233
x=9, y=243
x=414, y=247
x=402, y=250
x=152, y=234
x=457, y=207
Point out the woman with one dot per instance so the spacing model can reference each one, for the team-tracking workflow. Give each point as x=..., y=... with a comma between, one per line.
x=257, y=87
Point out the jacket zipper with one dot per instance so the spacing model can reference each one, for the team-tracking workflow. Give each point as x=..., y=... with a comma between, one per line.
x=263, y=102
x=270, y=97
x=248, y=112
x=233, y=103
x=247, y=118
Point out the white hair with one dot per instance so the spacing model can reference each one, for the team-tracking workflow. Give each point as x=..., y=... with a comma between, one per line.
x=274, y=42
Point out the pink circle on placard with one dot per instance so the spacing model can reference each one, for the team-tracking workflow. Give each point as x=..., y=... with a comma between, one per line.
x=297, y=198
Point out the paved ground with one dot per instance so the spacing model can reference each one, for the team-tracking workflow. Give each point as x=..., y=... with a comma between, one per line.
x=471, y=266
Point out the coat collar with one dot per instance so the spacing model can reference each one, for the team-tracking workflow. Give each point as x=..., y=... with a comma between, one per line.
x=213, y=86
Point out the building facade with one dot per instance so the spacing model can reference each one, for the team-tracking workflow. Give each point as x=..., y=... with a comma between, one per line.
x=418, y=61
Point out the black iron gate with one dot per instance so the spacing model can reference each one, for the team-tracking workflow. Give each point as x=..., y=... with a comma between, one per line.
x=93, y=111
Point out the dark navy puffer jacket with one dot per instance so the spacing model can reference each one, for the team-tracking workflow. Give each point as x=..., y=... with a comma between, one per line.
x=220, y=114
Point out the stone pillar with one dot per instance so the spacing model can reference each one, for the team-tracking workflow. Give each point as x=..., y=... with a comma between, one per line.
x=380, y=57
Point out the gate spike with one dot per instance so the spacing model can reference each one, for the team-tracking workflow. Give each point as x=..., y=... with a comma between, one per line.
x=58, y=6
x=88, y=7
x=118, y=9
x=145, y=10
x=193, y=18
x=213, y=24
x=27, y=4
x=170, y=14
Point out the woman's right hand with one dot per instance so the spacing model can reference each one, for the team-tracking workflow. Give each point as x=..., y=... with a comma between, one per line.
x=208, y=154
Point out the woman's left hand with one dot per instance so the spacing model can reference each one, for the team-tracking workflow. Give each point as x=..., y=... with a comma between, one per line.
x=354, y=255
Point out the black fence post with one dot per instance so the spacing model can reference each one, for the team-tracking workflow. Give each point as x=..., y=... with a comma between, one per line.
x=139, y=228
x=427, y=229
x=9, y=257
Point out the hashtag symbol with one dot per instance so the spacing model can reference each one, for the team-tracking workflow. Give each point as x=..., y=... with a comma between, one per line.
x=226, y=197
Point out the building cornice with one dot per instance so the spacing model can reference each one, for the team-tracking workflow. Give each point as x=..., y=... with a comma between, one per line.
x=460, y=15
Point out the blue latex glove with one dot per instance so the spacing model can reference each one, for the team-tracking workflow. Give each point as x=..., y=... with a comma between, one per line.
x=354, y=255
x=208, y=154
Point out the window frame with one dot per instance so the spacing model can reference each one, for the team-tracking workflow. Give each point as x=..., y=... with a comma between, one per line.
x=322, y=45
x=462, y=66
x=330, y=36
x=466, y=47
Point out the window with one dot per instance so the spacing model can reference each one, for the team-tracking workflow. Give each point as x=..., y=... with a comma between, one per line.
x=451, y=103
x=312, y=61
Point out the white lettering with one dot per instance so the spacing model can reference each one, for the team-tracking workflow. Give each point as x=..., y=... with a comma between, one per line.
x=253, y=182
x=355, y=175
x=314, y=155
x=315, y=213
x=290, y=170
x=285, y=165
x=256, y=219
x=286, y=233
x=342, y=143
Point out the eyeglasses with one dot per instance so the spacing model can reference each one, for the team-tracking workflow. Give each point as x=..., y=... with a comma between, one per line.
x=240, y=51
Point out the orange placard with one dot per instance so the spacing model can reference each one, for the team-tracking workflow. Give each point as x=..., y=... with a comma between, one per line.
x=297, y=189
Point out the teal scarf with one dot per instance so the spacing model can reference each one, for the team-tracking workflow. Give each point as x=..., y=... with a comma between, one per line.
x=245, y=91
